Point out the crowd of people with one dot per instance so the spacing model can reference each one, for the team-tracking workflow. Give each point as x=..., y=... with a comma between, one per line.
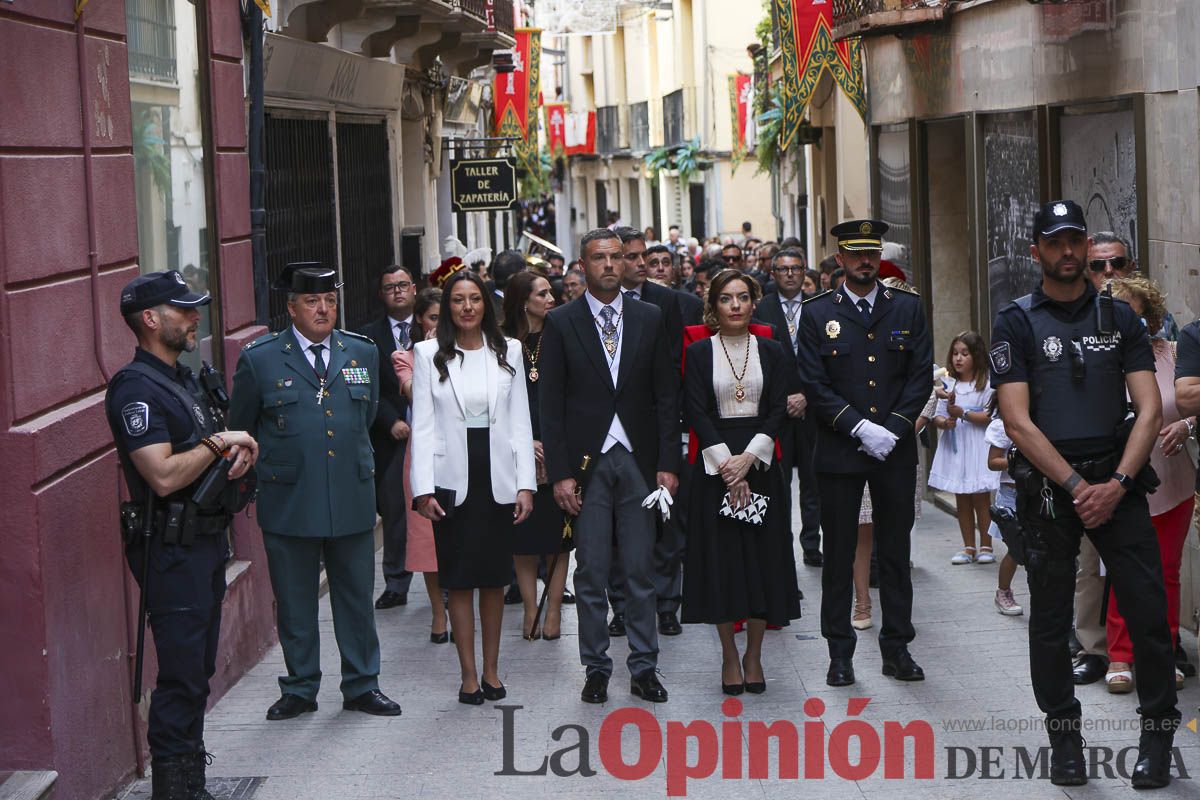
x=644, y=412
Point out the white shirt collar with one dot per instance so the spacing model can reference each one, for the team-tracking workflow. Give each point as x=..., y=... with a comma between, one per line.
x=870, y=298
x=394, y=322
x=305, y=343
x=595, y=305
x=783, y=301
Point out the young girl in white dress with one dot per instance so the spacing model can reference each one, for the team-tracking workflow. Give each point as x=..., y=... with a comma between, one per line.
x=960, y=465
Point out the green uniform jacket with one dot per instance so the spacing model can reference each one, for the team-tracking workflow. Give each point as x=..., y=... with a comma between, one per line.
x=316, y=468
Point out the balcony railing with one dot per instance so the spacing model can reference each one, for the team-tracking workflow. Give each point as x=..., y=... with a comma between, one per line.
x=639, y=127
x=150, y=26
x=679, y=116
x=476, y=8
x=878, y=17
x=502, y=17
x=608, y=130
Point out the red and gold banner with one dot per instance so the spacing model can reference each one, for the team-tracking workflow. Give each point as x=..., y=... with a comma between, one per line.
x=581, y=133
x=740, y=88
x=806, y=34
x=556, y=128
x=517, y=98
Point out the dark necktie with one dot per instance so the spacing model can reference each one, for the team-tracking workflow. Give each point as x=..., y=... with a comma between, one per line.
x=318, y=360
x=402, y=336
x=634, y=293
x=864, y=307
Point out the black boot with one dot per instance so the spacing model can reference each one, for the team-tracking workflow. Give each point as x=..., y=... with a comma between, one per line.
x=1153, y=767
x=1067, y=767
x=195, y=776
x=169, y=778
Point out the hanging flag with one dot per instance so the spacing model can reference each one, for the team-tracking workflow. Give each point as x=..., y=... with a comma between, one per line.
x=580, y=133
x=517, y=98
x=556, y=128
x=79, y=4
x=739, y=111
x=808, y=48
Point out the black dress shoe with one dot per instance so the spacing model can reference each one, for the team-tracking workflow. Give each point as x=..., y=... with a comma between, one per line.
x=901, y=666
x=493, y=692
x=813, y=558
x=513, y=596
x=1089, y=668
x=439, y=638
x=568, y=598
x=595, y=688
x=668, y=624
x=647, y=686
x=1067, y=767
x=841, y=672
x=373, y=702
x=1153, y=767
x=290, y=705
x=617, y=626
x=474, y=698
x=390, y=599
x=1074, y=645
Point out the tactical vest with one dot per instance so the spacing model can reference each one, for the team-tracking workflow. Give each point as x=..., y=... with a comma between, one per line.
x=1065, y=407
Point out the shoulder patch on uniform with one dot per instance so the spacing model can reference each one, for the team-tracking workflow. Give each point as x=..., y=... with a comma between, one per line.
x=266, y=337
x=1001, y=358
x=906, y=290
x=136, y=417
x=816, y=296
x=359, y=336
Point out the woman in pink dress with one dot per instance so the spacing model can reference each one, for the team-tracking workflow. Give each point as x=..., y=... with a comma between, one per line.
x=421, y=555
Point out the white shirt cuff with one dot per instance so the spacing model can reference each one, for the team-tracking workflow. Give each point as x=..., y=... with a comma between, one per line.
x=762, y=447
x=714, y=457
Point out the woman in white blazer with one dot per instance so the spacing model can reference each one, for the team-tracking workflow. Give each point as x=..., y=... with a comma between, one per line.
x=472, y=466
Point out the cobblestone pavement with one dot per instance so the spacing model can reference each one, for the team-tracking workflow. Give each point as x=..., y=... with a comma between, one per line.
x=977, y=695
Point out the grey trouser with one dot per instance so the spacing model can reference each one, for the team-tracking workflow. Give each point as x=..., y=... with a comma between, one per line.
x=612, y=506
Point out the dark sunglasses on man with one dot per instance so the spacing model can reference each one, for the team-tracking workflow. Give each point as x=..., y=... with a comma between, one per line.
x=1119, y=263
x=732, y=259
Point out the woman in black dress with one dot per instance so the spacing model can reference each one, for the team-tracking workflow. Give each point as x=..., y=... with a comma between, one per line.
x=528, y=296
x=735, y=401
x=472, y=470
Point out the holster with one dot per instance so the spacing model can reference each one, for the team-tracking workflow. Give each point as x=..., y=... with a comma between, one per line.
x=1016, y=537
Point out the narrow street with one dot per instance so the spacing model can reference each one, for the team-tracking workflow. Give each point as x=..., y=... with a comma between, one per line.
x=974, y=658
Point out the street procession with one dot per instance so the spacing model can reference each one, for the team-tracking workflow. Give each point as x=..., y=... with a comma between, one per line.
x=476, y=397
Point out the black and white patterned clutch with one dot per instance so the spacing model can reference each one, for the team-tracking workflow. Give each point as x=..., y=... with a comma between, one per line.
x=754, y=513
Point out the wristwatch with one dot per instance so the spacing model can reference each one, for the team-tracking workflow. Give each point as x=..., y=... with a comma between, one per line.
x=1123, y=479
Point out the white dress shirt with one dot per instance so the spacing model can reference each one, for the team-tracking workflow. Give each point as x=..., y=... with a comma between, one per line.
x=870, y=298
x=616, y=431
x=795, y=321
x=309, y=354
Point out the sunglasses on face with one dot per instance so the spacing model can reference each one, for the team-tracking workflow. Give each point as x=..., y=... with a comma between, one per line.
x=1118, y=263
x=731, y=259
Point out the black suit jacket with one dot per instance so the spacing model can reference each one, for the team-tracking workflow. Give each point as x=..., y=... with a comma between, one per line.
x=691, y=307
x=770, y=312
x=392, y=404
x=878, y=368
x=668, y=306
x=700, y=403
x=578, y=400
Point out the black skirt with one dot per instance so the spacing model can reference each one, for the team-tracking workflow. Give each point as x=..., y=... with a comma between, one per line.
x=734, y=570
x=474, y=544
x=541, y=534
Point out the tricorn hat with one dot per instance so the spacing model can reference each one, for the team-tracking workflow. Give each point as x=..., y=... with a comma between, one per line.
x=307, y=277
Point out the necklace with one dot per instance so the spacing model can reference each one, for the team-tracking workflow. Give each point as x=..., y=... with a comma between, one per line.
x=739, y=390
x=533, y=358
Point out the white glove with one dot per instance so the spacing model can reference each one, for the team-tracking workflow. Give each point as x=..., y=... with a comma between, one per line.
x=662, y=498
x=877, y=441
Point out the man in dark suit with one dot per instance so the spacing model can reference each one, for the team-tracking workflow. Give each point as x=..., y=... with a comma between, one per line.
x=668, y=548
x=866, y=362
x=506, y=264
x=781, y=309
x=389, y=433
x=610, y=426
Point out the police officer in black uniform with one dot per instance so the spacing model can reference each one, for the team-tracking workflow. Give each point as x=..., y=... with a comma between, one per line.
x=168, y=440
x=866, y=363
x=1063, y=359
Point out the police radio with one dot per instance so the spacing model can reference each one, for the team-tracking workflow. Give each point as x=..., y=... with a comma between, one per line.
x=213, y=384
x=1104, y=311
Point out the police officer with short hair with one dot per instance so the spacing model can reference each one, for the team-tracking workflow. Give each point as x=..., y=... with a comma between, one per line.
x=310, y=393
x=866, y=363
x=1063, y=360
x=168, y=440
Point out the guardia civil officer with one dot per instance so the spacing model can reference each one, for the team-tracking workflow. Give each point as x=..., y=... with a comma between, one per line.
x=1063, y=360
x=310, y=394
x=167, y=439
x=866, y=363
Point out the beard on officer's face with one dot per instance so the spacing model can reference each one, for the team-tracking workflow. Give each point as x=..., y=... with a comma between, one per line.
x=177, y=332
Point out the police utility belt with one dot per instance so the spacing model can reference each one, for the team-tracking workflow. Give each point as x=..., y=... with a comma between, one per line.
x=177, y=522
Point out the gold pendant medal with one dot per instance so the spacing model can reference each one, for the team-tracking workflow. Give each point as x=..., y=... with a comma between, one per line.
x=533, y=375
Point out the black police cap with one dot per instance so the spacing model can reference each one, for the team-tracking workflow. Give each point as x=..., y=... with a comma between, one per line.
x=155, y=288
x=1058, y=215
x=307, y=277
x=860, y=234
